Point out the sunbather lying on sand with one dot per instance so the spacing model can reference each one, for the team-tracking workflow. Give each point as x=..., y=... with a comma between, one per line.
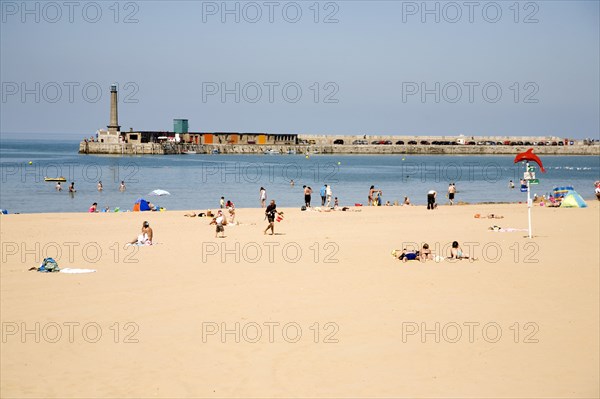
x=406, y=255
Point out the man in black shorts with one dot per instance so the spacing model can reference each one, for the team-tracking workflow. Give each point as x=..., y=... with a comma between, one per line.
x=270, y=212
x=307, y=195
x=451, y=192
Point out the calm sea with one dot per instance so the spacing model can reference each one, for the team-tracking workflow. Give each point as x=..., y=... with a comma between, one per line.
x=198, y=181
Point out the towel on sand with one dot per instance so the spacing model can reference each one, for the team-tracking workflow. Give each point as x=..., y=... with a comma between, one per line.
x=77, y=271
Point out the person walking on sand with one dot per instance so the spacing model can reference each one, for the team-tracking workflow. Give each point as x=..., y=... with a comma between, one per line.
x=307, y=195
x=329, y=194
x=323, y=193
x=270, y=213
x=263, y=197
x=431, y=199
x=220, y=221
x=451, y=192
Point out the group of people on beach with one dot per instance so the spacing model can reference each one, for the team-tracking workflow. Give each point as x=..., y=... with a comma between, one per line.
x=425, y=254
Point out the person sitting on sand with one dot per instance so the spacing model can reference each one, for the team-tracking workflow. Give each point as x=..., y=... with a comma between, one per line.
x=493, y=216
x=146, y=237
x=93, y=208
x=457, y=253
x=425, y=253
x=406, y=201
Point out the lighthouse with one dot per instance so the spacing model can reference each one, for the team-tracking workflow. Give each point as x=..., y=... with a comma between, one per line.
x=113, y=127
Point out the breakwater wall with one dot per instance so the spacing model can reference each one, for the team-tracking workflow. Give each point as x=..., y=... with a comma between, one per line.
x=368, y=149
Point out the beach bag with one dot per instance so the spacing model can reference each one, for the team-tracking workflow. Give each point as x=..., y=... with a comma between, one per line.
x=48, y=265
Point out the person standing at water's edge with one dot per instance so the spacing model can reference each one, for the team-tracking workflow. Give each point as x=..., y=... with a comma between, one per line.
x=270, y=213
x=307, y=196
x=329, y=194
x=370, y=198
x=263, y=197
x=451, y=192
x=323, y=194
x=431, y=199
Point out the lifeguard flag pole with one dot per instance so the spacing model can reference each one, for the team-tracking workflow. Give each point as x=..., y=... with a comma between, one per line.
x=528, y=176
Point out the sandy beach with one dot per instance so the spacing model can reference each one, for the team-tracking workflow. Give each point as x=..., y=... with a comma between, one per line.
x=321, y=309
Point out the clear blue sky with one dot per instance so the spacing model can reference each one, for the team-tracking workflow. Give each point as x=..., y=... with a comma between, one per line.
x=369, y=66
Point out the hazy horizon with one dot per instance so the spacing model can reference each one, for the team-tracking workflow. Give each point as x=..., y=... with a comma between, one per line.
x=332, y=67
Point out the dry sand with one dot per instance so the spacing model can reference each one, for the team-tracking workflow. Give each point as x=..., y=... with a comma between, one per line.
x=156, y=307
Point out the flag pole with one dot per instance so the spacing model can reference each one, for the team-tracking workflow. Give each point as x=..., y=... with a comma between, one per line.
x=529, y=202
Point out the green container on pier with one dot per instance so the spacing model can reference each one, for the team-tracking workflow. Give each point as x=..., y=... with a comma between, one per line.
x=180, y=125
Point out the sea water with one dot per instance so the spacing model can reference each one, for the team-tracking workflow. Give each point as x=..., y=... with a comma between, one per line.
x=197, y=182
